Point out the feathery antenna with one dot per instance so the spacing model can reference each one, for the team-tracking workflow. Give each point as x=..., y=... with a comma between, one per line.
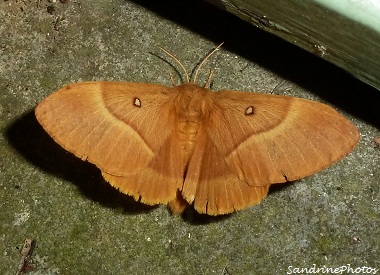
x=204, y=60
x=199, y=67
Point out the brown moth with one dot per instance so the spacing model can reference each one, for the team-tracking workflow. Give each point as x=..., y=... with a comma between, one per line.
x=218, y=151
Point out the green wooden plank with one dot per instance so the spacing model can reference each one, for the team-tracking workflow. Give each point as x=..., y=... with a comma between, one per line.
x=346, y=33
x=366, y=12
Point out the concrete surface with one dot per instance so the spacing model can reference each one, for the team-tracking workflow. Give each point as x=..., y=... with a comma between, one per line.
x=84, y=226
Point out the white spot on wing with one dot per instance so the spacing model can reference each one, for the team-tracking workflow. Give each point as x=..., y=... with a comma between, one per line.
x=249, y=111
x=137, y=102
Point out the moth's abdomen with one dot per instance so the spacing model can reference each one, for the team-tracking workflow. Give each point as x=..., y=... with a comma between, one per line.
x=187, y=134
x=192, y=106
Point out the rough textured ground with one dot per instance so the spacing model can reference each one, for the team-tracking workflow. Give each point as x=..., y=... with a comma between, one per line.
x=84, y=226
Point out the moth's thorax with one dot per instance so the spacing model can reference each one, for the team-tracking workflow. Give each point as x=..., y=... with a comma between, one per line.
x=192, y=106
x=192, y=102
